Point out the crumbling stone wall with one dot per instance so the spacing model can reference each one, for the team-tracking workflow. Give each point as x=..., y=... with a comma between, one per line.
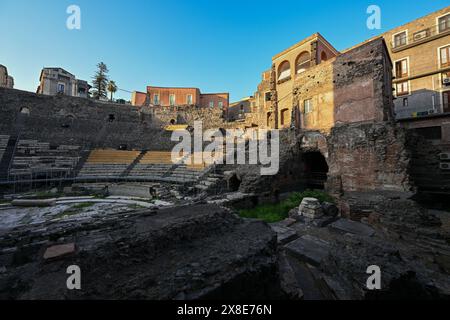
x=424, y=169
x=366, y=157
x=360, y=157
x=212, y=117
x=93, y=124
x=353, y=87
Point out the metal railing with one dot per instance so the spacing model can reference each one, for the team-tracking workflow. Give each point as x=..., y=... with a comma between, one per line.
x=420, y=36
x=417, y=111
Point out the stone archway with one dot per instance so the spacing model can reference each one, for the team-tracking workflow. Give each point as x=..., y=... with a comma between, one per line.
x=315, y=169
x=234, y=183
x=314, y=149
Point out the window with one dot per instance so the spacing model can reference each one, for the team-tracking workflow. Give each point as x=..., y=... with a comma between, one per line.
x=405, y=102
x=308, y=106
x=61, y=88
x=284, y=71
x=284, y=117
x=268, y=96
x=430, y=133
x=446, y=101
x=400, y=39
x=444, y=23
x=156, y=99
x=211, y=104
x=189, y=99
x=303, y=62
x=172, y=99
x=446, y=79
x=220, y=104
x=242, y=107
x=402, y=88
x=401, y=68
x=445, y=56
x=420, y=35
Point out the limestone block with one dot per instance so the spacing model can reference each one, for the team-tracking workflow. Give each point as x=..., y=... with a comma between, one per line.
x=310, y=208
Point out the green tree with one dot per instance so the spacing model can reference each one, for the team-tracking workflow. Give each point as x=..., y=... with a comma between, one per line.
x=112, y=88
x=100, y=82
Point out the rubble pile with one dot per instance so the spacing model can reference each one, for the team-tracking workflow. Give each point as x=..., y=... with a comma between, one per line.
x=196, y=251
x=330, y=261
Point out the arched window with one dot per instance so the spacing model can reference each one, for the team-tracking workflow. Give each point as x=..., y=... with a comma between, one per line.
x=303, y=62
x=284, y=71
x=323, y=56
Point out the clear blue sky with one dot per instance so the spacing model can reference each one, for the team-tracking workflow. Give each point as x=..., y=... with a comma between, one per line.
x=215, y=45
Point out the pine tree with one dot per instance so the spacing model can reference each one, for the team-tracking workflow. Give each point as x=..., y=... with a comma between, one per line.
x=100, y=82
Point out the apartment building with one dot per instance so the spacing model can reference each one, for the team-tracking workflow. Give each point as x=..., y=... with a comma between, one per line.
x=420, y=51
x=173, y=97
x=53, y=81
x=274, y=100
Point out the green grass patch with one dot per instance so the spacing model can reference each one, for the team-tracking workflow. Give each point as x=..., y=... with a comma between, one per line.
x=83, y=205
x=46, y=195
x=74, y=210
x=280, y=211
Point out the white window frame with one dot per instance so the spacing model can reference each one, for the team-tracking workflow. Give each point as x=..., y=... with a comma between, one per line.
x=191, y=99
x=63, y=86
x=220, y=104
x=395, y=66
x=159, y=99
x=437, y=22
x=174, y=99
x=403, y=95
x=310, y=106
x=439, y=54
x=211, y=104
x=396, y=34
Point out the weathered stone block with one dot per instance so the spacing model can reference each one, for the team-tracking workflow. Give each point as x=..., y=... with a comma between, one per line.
x=310, y=208
x=59, y=251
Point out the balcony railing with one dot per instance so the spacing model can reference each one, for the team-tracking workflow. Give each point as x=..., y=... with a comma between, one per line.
x=420, y=37
x=417, y=112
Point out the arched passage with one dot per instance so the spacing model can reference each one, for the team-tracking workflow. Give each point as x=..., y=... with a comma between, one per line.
x=316, y=169
x=234, y=183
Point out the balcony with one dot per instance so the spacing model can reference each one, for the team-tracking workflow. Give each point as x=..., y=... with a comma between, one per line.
x=419, y=37
x=417, y=112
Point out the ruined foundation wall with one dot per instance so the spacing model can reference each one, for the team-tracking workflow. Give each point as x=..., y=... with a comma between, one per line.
x=360, y=157
x=368, y=157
